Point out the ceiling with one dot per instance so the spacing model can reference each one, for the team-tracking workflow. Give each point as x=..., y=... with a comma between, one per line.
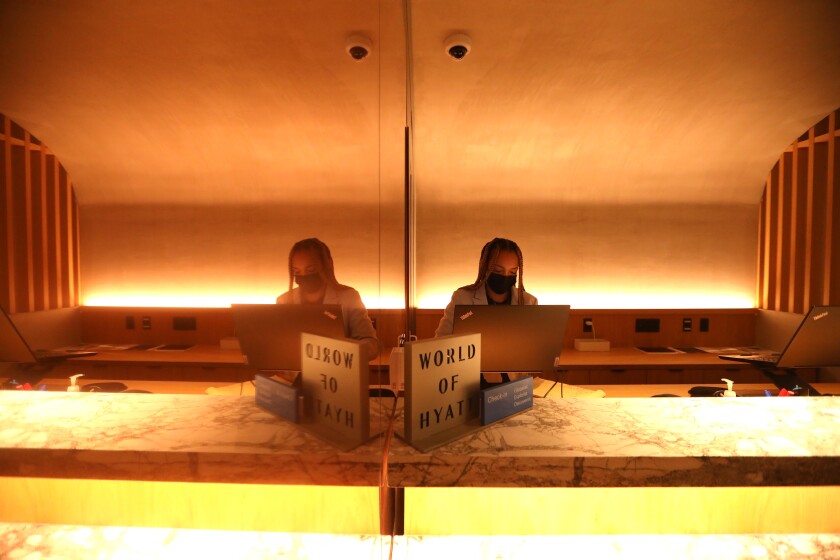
x=217, y=102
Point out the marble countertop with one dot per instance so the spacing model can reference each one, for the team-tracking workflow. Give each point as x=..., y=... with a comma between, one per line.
x=639, y=442
x=558, y=443
x=194, y=438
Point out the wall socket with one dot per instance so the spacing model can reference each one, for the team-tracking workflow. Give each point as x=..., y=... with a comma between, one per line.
x=687, y=324
x=183, y=323
x=647, y=325
x=587, y=325
x=146, y=322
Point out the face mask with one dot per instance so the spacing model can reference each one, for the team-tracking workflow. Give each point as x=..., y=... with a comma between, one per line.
x=309, y=283
x=500, y=284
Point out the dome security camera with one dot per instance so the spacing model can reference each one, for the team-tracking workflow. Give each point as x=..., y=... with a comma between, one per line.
x=457, y=46
x=358, y=47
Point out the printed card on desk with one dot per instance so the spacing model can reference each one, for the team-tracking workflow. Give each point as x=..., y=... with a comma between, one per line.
x=336, y=384
x=277, y=396
x=506, y=399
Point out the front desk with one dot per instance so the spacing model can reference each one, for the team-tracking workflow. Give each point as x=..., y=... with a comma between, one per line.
x=632, y=466
x=573, y=466
x=184, y=461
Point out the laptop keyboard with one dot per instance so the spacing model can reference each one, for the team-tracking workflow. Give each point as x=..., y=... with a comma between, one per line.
x=767, y=358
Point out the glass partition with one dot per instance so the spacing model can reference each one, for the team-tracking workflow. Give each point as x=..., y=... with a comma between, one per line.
x=203, y=140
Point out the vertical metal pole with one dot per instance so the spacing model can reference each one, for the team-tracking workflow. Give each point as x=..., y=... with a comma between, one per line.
x=410, y=319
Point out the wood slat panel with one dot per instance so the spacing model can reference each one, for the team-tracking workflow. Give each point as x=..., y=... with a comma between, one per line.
x=772, y=225
x=799, y=219
x=28, y=221
x=783, y=252
x=761, y=272
x=36, y=260
x=75, y=251
x=818, y=238
x=808, y=275
x=39, y=257
x=20, y=245
x=45, y=240
x=8, y=296
x=831, y=292
x=5, y=191
x=799, y=224
x=52, y=232
x=63, y=242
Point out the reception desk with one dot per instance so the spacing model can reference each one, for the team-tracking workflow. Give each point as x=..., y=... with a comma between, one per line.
x=196, y=461
x=595, y=466
x=573, y=466
x=623, y=365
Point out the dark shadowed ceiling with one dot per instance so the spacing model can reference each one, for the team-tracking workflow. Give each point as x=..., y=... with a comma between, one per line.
x=257, y=101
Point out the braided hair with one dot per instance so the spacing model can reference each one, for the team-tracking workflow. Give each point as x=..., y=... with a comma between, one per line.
x=322, y=254
x=489, y=254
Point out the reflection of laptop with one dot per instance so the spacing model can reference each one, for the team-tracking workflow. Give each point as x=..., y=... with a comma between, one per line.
x=14, y=348
x=816, y=343
x=269, y=334
x=515, y=338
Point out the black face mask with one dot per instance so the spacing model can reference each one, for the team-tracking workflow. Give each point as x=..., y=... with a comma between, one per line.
x=309, y=283
x=500, y=284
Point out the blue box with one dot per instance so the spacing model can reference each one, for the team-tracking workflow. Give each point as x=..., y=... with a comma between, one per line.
x=278, y=397
x=506, y=399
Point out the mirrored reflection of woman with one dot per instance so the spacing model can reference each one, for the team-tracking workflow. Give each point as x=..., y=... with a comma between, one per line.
x=311, y=268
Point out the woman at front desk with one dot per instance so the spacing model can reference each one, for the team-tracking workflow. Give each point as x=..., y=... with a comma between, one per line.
x=499, y=268
x=311, y=268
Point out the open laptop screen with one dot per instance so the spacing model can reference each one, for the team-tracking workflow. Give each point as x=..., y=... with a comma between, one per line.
x=269, y=334
x=816, y=342
x=515, y=338
x=13, y=347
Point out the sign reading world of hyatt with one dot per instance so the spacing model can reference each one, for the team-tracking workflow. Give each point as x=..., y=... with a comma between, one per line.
x=442, y=381
x=335, y=388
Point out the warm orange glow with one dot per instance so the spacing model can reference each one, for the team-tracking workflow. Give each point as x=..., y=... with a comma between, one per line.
x=175, y=298
x=627, y=300
x=170, y=300
x=581, y=300
x=619, y=511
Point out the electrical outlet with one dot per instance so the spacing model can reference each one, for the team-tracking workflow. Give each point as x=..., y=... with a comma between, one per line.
x=146, y=322
x=647, y=325
x=183, y=323
x=687, y=324
x=587, y=325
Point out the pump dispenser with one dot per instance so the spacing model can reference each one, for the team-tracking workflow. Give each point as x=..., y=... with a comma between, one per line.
x=73, y=388
x=729, y=392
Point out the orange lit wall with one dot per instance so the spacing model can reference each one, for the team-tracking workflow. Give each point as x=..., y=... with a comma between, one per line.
x=604, y=256
x=194, y=256
x=590, y=257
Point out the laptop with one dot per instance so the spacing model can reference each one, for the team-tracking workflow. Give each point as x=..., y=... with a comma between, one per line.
x=15, y=349
x=816, y=343
x=515, y=338
x=269, y=334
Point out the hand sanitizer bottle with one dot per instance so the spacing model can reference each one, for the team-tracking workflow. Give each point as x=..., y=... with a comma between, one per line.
x=73, y=388
x=729, y=392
